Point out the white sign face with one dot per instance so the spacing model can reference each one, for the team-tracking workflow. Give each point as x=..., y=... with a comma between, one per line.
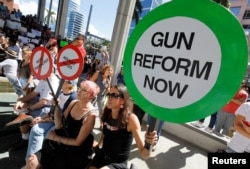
x=70, y=62
x=190, y=65
x=41, y=63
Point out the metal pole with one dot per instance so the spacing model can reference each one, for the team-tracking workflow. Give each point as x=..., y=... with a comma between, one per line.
x=120, y=32
x=49, y=12
x=87, y=26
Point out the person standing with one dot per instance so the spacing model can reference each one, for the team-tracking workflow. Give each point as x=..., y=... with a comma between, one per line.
x=209, y=128
x=240, y=142
x=103, y=79
x=79, y=42
x=226, y=116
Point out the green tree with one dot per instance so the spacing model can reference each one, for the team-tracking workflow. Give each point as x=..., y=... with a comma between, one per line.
x=51, y=15
x=137, y=11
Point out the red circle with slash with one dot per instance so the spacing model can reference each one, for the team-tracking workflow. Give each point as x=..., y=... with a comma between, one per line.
x=70, y=62
x=41, y=63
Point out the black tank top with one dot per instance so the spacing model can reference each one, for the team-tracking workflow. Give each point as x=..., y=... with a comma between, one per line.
x=73, y=128
x=117, y=141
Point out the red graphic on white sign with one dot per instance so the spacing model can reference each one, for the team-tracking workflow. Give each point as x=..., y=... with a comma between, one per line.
x=70, y=62
x=41, y=63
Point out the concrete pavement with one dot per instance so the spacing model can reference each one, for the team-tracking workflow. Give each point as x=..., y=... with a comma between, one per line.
x=171, y=153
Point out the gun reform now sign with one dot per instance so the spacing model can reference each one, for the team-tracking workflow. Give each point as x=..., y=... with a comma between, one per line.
x=179, y=61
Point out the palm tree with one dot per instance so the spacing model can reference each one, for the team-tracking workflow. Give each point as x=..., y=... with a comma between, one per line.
x=137, y=11
x=225, y=3
x=50, y=15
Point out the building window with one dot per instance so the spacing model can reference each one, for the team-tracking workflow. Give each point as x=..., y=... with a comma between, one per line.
x=246, y=14
x=235, y=10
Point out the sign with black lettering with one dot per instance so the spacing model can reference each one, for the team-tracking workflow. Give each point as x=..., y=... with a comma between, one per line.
x=41, y=63
x=181, y=63
x=69, y=62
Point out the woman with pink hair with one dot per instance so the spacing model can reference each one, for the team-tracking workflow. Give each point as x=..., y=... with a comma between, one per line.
x=80, y=118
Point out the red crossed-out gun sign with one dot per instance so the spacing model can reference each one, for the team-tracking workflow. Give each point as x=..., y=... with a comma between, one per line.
x=70, y=62
x=41, y=63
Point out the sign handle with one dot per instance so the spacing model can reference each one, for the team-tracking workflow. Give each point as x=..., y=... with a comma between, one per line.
x=55, y=95
x=150, y=129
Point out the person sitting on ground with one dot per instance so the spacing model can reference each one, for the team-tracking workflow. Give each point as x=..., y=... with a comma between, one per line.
x=41, y=125
x=80, y=118
x=31, y=108
x=119, y=127
x=240, y=142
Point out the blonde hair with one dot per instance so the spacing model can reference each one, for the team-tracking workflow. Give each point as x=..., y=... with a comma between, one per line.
x=105, y=67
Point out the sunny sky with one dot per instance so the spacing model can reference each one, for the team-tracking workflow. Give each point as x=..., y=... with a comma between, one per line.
x=102, y=17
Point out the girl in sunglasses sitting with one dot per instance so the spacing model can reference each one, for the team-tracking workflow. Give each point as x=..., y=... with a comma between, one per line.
x=119, y=127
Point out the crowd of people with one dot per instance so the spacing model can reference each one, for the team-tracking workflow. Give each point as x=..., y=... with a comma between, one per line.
x=229, y=122
x=57, y=131
x=44, y=118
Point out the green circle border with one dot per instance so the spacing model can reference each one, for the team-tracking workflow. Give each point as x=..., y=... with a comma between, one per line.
x=233, y=45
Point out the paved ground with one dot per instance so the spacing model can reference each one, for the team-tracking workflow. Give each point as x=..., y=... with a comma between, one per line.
x=171, y=152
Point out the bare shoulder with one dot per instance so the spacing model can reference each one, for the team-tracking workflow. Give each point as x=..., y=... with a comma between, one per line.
x=133, y=122
x=94, y=76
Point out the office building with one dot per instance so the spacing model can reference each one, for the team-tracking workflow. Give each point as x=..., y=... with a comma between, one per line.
x=74, y=21
x=147, y=6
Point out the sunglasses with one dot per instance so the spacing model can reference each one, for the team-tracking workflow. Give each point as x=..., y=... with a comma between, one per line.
x=114, y=95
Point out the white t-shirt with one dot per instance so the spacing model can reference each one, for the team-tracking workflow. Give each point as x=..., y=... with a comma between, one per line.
x=238, y=142
x=44, y=90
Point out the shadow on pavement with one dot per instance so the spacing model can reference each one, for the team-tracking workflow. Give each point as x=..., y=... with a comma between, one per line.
x=12, y=159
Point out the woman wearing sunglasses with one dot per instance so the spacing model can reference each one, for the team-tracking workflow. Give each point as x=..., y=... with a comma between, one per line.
x=119, y=127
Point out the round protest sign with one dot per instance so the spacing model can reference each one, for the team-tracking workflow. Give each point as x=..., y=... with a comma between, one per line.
x=41, y=63
x=70, y=62
x=181, y=63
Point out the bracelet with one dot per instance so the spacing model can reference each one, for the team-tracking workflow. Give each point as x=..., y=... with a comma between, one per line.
x=29, y=109
x=60, y=139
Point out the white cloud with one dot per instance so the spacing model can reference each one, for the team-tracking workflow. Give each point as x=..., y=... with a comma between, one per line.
x=27, y=7
x=93, y=30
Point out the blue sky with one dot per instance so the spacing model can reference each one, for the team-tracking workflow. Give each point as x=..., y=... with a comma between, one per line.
x=102, y=17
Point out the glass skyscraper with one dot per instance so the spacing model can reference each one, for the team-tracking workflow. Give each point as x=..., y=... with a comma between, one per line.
x=75, y=21
x=147, y=6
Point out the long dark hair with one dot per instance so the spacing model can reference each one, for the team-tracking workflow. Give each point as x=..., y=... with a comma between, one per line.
x=123, y=112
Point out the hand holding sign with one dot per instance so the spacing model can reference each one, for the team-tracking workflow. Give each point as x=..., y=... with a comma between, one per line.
x=180, y=60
